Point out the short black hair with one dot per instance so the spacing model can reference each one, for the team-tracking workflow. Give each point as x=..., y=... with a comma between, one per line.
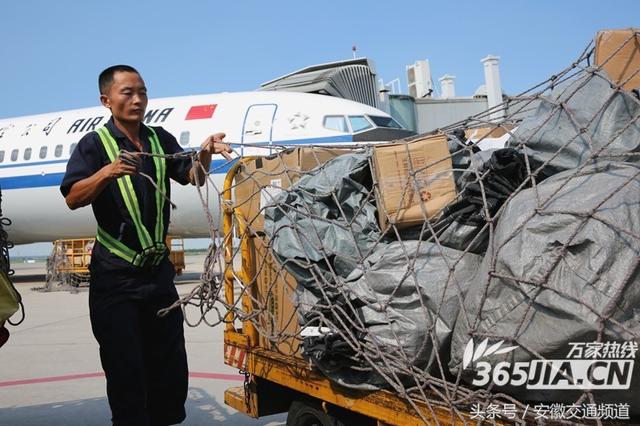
x=106, y=77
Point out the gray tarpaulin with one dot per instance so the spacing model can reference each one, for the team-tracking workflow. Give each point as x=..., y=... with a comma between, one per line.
x=559, y=275
x=381, y=296
x=594, y=119
x=483, y=188
x=408, y=302
x=325, y=223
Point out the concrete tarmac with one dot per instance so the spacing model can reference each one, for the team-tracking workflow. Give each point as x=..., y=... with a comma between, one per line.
x=50, y=372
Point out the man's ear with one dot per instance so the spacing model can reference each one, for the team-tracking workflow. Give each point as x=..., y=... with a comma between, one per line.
x=104, y=99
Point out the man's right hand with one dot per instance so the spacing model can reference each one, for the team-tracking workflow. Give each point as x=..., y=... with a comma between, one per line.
x=83, y=192
x=126, y=163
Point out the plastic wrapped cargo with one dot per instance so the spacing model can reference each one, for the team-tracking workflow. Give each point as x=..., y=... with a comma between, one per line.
x=563, y=269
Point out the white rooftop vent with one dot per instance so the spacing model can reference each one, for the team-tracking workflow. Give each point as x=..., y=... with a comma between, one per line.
x=492, y=84
x=447, y=85
x=419, y=79
x=481, y=92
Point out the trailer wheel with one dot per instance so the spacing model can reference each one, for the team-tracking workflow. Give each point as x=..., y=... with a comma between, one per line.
x=308, y=413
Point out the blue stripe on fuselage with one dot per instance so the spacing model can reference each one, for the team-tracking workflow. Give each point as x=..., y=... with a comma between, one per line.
x=217, y=166
x=55, y=179
x=32, y=181
x=309, y=141
x=36, y=163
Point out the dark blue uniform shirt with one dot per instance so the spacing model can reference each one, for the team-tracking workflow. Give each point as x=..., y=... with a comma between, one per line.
x=111, y=273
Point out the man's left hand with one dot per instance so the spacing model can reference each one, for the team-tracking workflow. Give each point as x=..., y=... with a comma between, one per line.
x=214, y=145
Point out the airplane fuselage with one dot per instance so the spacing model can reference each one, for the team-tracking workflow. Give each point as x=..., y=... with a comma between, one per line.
x=34, y=150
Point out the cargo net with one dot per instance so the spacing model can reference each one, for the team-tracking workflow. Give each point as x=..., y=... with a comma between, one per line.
x=8, y=289
x=489, y=269
x=5, y=244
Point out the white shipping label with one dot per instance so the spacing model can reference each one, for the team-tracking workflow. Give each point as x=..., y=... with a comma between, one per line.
x=269, y=193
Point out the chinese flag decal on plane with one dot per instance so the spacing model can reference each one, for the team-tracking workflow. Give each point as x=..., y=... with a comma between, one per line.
x=200, y=111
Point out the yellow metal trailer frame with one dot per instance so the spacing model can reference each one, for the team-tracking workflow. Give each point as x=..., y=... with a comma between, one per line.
x=76, y=254
x=274, y=381
x=176, y=253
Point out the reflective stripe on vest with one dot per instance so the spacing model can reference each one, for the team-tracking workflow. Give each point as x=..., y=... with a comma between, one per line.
x=152, y=249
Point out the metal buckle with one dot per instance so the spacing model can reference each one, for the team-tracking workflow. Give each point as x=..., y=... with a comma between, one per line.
x=152, y=255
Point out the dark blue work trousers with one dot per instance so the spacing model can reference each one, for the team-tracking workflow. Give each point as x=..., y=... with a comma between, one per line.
x=143, y=356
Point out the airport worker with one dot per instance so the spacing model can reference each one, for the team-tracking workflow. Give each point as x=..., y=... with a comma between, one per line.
x=143, y=355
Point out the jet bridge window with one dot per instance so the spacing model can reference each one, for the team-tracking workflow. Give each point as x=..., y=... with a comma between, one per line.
x=336, y=122
x=27, y=154
x=58, y=151
x=1, y=156
x=359, y=123
x=384, y=122
x=14, y=155
x=43, y=152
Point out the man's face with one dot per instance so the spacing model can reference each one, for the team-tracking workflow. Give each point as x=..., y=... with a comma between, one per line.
x=126, y=97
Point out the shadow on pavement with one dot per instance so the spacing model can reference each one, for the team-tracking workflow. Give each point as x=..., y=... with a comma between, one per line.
x=40, y=278
x=188, y=276
x=202, y=410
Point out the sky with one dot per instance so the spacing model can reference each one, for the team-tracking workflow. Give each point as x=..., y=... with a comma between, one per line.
x=52, y=51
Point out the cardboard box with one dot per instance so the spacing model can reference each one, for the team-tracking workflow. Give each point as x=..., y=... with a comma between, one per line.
x=259, y=181
x=414, y=181
x=618, y=52
x=495, y=132
x=273, y=294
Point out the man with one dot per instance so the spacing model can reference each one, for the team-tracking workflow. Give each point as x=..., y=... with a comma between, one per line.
x=143, y=355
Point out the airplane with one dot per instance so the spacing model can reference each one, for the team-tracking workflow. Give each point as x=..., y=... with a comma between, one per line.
x=34, y=150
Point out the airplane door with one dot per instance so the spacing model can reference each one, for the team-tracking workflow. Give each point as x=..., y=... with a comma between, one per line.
x=258, y=121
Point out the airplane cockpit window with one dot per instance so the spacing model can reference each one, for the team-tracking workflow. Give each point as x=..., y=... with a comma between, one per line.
x=58, y=151
x=43, y=152
x=14, y=155
x=72, y=147
x=359, y=123
x=1, y=156
x=27, y=154
x=384, y=122
x=335, y=122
